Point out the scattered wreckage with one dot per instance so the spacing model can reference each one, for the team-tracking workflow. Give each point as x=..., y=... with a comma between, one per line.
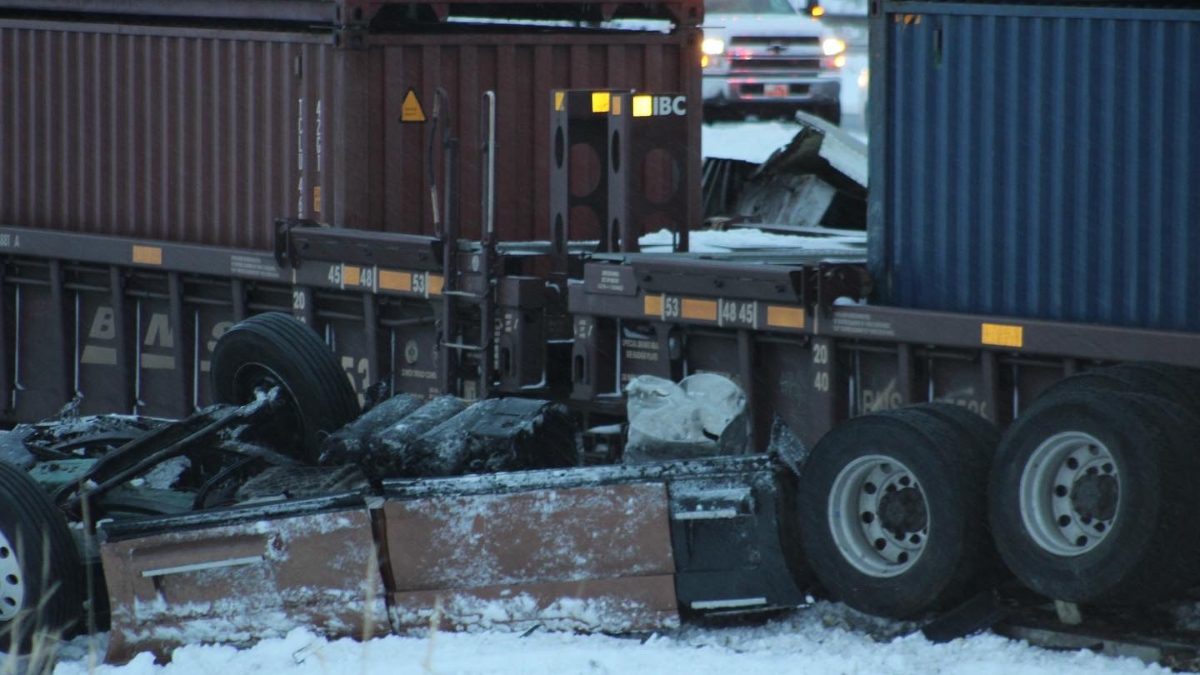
x=283, y=506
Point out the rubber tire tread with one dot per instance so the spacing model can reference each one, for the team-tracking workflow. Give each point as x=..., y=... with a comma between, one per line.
x=983, y=436
x=22, y=501
x=1173, y=383
x=957, y=560
x=1152, y=553
x=314, y=354
x=317, y=382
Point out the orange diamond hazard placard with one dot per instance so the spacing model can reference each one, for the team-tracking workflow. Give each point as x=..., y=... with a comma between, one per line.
x=410, y=109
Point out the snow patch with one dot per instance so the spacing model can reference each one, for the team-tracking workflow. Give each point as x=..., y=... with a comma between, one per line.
x=722, y=241
x=520, y=612
x=811, y=641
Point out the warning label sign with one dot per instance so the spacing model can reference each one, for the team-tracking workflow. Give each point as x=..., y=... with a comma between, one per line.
x=410, y=109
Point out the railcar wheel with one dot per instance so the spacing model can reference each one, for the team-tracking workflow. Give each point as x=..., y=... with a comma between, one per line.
x=892, y=512
x=1093, y=501
x=41, y=594
x=275, y=349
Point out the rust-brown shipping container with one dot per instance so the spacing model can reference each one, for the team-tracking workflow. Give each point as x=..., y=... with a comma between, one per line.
x=206, y=128
x=148, y=147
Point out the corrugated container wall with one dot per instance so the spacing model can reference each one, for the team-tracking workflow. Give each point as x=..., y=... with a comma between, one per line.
x=208, y=135
x=1037, y=161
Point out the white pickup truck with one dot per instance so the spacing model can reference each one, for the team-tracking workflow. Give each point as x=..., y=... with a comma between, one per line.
x=767, y=58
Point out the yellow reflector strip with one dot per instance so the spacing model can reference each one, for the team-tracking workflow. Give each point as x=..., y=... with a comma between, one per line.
x=601, y=101
x=558, y=99
x=616, y=105
x=785, y=317
x=147, y=255
x=653, y=305
x=1001, y=335
x=704, y=310
x=351, y=275
x=390, y=280
x=435, y=283
x=643, y=105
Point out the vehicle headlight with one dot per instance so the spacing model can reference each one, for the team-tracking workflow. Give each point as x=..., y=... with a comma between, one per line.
x=713, y=46
x=832, y=46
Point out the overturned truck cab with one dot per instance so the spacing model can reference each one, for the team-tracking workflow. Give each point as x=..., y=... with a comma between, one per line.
x=617, y=548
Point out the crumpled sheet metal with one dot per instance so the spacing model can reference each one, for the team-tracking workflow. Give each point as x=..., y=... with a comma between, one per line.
x=596, y=558
x=244, y=582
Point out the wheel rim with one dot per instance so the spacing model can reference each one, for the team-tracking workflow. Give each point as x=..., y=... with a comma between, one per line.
x=879, y=516
x=253, y=379
x=1070, y=493
x=12, y=581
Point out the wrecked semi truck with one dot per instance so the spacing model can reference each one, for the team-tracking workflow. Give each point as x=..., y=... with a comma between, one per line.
x=1003, y=386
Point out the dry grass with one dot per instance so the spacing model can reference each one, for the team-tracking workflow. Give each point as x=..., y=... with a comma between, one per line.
x=435, y=622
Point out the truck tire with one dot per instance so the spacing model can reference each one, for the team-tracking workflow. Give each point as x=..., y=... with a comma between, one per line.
x=41, y=589
x=275, y=349
x=1181, y=385
x=876, y=538
x=983, y=436
x=1093, y=499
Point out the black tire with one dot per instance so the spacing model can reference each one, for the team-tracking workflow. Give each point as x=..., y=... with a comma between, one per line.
x=983, y=436
x=932, y=447
x=276, y=349
x=1136, y=540
x=1181, y=385
x=41, y=576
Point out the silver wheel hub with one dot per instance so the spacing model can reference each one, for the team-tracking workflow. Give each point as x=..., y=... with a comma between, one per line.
x=879, y=516
x=12, y=581
x=1070, y=493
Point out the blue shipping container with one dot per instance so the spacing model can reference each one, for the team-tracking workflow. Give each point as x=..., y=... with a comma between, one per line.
x=1037, y=160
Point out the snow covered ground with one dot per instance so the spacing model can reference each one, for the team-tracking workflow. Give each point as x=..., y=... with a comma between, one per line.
x=825, y=638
